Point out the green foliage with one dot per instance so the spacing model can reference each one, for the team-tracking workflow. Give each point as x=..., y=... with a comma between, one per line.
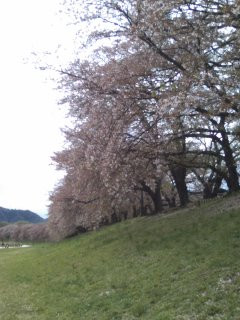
x=181, y=266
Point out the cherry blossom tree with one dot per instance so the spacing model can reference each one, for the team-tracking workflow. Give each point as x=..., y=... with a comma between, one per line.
x=155, y=105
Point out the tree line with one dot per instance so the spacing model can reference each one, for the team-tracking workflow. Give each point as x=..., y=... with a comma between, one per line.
x=155, y=110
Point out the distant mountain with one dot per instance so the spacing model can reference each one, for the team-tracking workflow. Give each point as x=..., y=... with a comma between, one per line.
x=12, y=215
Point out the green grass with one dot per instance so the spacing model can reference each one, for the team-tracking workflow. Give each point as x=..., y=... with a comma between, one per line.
x=184, y=266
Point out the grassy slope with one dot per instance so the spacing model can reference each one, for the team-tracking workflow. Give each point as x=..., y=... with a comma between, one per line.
x=182, y=266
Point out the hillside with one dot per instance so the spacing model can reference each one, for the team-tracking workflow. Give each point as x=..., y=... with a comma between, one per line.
x=182, y=266
x=12, y=215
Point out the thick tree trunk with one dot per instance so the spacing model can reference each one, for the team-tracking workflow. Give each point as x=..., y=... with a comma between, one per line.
x=179, y=177
x=232, y=181
x=157, y=200
x=135, y=212
x=207, y=191
x=211, y=188
x=154, y=195
x=217, y=185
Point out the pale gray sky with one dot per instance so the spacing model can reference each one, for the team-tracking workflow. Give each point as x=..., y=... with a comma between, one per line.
x=30, y=118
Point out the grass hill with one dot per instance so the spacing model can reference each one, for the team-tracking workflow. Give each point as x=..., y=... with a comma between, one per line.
x=183, y=266
x=12, y=216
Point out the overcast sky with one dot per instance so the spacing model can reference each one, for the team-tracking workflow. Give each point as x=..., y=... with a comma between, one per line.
x=30, y=119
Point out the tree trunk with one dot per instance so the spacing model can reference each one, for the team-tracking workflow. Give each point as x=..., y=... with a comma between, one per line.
x=154, y=195
x=142, y=208
x=232, y=181
x=217, y=185
x=157, y=200
x=179, y=177
x=207, y=190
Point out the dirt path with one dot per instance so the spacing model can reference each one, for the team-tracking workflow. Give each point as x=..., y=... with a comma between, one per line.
x=23, y=246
